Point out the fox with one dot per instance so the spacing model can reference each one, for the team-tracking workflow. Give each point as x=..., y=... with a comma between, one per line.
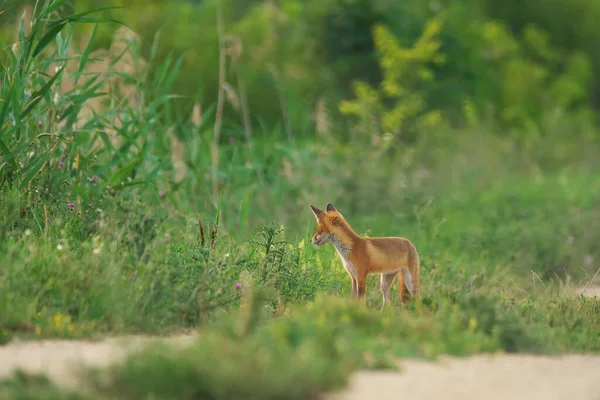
x=361, y=256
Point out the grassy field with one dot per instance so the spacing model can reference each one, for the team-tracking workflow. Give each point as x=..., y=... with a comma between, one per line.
x=125, y=221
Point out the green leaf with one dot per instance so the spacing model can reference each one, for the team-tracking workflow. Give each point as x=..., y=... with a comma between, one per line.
x=22, y=41
x=37, y=96
x=88, y=50
x=116, y=177
x=34, y=167
x=49, y=37
x=55, y=6
x=128, y=184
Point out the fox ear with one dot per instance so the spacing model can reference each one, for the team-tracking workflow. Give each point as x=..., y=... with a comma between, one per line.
x=316, y=211
x=330, y=207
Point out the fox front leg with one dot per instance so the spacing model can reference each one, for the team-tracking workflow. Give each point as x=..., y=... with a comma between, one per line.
x=361, y=284
x=354, y=288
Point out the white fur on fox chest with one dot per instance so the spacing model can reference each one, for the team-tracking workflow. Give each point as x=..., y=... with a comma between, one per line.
x=344, y=253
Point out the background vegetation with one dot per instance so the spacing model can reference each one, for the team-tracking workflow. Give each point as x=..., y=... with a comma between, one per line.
x=155, y=179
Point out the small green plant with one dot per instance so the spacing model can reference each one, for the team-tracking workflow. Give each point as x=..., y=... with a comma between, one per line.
x=23, y=386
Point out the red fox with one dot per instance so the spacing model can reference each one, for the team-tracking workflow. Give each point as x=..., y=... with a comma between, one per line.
x=388, y=256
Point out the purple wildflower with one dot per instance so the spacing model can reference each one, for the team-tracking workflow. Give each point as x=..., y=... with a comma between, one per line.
x=161, y=193
x=238, y=286
x=61, y=164
x=72, y=205
x=39, y=124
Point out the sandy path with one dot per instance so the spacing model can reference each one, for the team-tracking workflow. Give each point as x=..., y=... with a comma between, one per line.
x=489, y=377
x=58, y=359
x=485, y=377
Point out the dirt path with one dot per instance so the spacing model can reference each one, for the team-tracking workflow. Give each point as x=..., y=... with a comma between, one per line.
x=487, y=377
x=57, y=359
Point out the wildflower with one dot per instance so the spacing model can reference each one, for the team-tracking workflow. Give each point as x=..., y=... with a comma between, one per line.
x=57, y=139
x=93, y=179
x=39, y=199
x=272, y=247
x=61, y=164
x=59, y=247
x=161, y=194
x=72, y=205
x=227, y=255
x=27, y=232
x=238, y=286
x=39, y=124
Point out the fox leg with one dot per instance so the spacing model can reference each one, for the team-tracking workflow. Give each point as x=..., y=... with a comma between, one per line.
x=386, y=284
x=401, y=287
x=354, y=288
x=415, y=278
x=361, y=283
x=407, y=282
x=414, y=269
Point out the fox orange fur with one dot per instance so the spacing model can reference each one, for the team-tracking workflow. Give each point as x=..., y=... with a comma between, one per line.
x=361, y=256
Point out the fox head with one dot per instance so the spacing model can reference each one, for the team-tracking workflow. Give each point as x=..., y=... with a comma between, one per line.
x=328, y=223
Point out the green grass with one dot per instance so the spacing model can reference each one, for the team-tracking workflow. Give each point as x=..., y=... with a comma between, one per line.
x=99, y=241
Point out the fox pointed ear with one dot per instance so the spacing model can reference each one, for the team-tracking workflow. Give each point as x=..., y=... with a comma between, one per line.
x=330, y=207
x=316, y=211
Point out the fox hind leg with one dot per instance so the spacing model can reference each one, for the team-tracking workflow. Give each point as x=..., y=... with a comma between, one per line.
x=408, y=281
x=406, y=286
x=401, y=287
x=386, y=284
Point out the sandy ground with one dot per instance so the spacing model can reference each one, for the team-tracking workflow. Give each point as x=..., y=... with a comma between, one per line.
x=486, y=377
x=489, y=377
x=59, y=359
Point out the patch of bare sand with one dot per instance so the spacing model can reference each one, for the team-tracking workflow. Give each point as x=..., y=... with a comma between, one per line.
x=589, y=291
x=486, y=377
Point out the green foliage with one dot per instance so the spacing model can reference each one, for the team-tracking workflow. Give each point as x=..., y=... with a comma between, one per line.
x=531, y=73
x=35, y=387
x=403, y=72
x=44, y=122
x=535, y=78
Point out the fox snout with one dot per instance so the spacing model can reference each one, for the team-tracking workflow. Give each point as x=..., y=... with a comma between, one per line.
x=319, y=240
